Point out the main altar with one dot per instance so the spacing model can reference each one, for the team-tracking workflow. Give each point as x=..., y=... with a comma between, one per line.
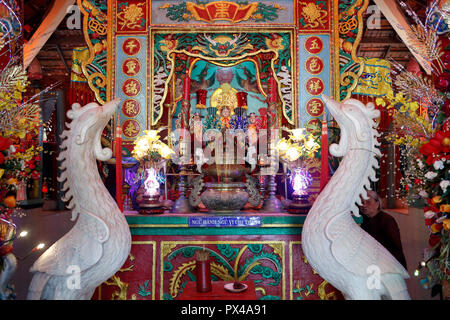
x=257, y=68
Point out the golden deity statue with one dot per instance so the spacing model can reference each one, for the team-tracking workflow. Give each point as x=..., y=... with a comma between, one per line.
x=225, y=100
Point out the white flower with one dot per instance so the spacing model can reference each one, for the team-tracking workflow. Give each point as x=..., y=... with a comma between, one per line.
x=429, y=214
x=438, y=165
x=423, y=194
x=430, y=175
x=420, y=163
x=142, y=145
x=282, y=145
x=292, y=154
x=444, y=184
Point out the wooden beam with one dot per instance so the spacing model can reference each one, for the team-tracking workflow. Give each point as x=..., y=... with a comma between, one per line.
x=45, y=30
x=386, y=41
x=395, y=17
x=61, y=56
x=386, y=52
x=73, y=40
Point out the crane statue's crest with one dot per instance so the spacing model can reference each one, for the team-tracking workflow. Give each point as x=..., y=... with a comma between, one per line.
x=335, y=246
x=100, y=241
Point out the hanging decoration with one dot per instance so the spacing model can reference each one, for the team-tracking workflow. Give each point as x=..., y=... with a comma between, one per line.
x=80, y=91
x=375, y=79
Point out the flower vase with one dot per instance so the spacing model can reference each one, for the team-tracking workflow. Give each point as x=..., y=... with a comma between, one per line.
x=21, y=191
x=148, y=193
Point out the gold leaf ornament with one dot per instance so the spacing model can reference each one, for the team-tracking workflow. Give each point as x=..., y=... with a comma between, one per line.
x=175, y=280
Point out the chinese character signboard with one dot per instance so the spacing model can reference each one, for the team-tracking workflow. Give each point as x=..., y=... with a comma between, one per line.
x=318, y=70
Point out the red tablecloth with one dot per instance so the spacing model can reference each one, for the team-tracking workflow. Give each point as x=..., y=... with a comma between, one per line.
x=218, y=292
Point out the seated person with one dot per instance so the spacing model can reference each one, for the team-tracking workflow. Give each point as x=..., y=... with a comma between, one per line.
x=382, y=226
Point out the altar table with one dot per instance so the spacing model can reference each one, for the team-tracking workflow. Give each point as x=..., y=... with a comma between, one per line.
x=265, y=249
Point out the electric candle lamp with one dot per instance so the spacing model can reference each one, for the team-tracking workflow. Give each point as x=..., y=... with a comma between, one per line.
x=23, y=234
x=40, y=246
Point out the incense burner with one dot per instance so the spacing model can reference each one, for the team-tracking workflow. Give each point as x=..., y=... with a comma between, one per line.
x=226, y=194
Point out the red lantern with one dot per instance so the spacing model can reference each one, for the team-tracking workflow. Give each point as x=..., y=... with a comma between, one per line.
x=242, y=99
x=201, y=99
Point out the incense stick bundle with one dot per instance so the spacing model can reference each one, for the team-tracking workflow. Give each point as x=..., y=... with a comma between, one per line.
x=202, y=255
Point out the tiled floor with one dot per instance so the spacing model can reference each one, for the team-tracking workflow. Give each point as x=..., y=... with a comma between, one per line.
x=42, y=226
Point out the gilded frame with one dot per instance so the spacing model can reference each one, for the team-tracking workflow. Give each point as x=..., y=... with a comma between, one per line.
x=226, y=29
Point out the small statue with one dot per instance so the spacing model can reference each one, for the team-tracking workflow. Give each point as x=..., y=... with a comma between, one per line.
x=225, y=116
x=196, y=125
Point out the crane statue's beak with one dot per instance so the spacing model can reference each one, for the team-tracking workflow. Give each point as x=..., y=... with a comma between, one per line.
x=334, y=107
x=110, y=107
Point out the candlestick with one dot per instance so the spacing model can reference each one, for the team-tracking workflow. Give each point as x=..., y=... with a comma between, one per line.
x=272, y=89
x=324, y=170
x=182, y=205
x=186, y=102
x=272, y=204
x=118, y=149
x=187, y=86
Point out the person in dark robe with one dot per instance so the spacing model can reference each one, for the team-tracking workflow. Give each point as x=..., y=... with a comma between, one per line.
x=382, y=226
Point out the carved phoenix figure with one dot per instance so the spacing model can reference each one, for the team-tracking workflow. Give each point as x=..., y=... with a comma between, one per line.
x=335, y=246
x=100, y=241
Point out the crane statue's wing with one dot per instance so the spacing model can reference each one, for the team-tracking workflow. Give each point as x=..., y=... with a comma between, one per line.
x=70, y=251
x=356, y=250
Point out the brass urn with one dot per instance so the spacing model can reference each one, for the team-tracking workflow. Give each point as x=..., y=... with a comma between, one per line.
x=226, y=194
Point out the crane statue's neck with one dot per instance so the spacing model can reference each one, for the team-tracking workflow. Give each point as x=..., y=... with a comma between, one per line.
x=349, y=181
x=84, y=182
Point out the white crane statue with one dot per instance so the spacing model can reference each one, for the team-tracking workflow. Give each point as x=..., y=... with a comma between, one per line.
x=336, y=247
x=100, y=241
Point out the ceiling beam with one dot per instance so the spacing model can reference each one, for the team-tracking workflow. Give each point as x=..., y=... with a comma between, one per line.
x=75, y=40
x=45, y=30
x=61, y=56
x=398, y=22
x=386, y=41
x=385, y=54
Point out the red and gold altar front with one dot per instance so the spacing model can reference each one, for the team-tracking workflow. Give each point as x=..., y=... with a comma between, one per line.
x=162, y=259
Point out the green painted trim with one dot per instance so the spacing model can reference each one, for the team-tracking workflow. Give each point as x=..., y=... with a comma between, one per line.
x=175, y=224
x=214, y=231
